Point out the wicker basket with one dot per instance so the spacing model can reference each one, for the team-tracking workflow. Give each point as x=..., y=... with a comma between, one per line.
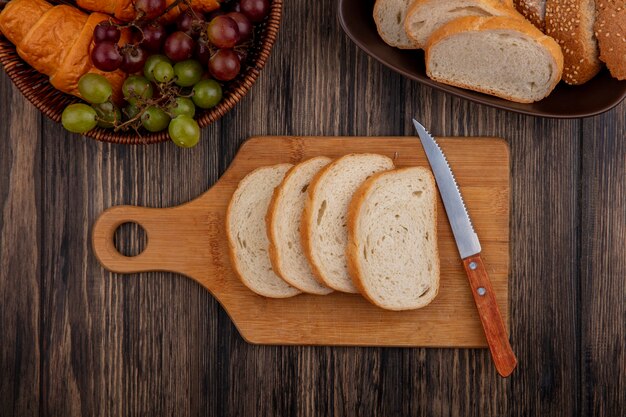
x=51, y=102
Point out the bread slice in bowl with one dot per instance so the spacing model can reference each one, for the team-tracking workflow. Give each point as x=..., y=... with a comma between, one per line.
x=610, y=30
x=389, y=17
x=392, y=250
x=534, y=11
x=502, y=56
x=571, y=23
x=426, y=16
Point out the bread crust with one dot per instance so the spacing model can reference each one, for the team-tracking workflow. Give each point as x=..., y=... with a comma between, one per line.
x=270, y=219
x=307, y=219
x=565, y=22
x=504, y=6
x=530, y=10
x=45, y=49
x=305, y=225
x=57, y=42
x=19, y=16
x=78, y=63
x=388, y=41
x=353, y=245
x=478, y=24
x=269, y=225
x=610, y=30
x=232, y=253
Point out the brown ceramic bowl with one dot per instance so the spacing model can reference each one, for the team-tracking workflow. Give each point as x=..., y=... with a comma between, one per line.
x=596, y=96
x=51, y=102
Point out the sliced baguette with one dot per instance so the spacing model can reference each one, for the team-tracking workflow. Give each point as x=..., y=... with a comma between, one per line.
x=324, y=220
x=502, y=56
x=392, y=250
x=426, y=16
x=389, y=17
x=534, y=11
x=611, y=34
x=246, y=231
x=283, y=227
x=571, y=22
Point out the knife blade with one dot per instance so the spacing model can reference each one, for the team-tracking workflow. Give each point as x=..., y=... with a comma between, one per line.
x=469, y=249
x=464, y=235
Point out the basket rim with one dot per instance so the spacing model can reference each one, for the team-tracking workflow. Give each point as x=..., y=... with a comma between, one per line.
x=14, y=67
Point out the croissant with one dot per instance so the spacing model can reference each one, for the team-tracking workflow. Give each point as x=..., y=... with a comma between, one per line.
x=56, y=41
x=125, y=9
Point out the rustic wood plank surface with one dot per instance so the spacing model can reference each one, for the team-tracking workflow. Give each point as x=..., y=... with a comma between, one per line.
x=75, y=340
x=603, y=264
x=20, y=254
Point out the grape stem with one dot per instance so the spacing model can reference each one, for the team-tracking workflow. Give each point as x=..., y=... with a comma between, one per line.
x=168, y=94
x=129, y=47
x=174, y=4
x=190, y=9
x=140, y=14
x=129, y=123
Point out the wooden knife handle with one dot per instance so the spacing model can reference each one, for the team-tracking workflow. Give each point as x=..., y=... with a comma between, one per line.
x=490, y=316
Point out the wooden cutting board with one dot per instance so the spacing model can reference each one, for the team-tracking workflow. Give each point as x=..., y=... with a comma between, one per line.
x=190, y=239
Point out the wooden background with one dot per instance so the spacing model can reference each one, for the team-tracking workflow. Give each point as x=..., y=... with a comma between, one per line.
x=77, y=341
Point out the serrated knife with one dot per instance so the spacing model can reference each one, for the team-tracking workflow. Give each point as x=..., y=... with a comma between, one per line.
x=469, y=248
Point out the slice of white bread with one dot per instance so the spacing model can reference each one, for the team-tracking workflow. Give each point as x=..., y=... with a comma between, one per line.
x=611, y=33
x=506, y=57
x=533, y=10
x=325, y=217
x=389, y=17
x=283, y=227
x=426, y=16
x=392, y=250
x=571, y=22
x=246, y=231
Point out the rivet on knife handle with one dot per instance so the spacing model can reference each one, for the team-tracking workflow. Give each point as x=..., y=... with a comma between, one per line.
x=489, y=313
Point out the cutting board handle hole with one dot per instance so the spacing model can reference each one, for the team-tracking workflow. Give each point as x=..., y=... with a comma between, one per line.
x=130, y=239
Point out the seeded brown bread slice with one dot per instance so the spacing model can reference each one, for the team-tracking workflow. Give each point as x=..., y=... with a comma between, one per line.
x=534, y=11
x=502, y=56
x=392, y=246
x=246, y=232
x=283, y=227
x=610, y=30
x=426, y=16
x=570, y=23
